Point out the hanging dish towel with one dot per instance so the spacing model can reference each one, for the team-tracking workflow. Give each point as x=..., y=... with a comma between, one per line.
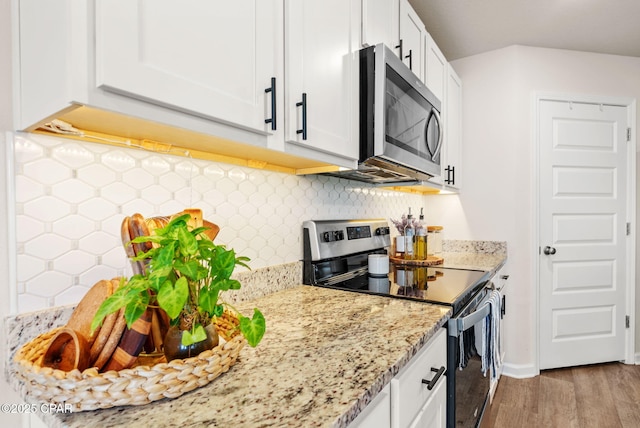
x=487, y=337
x=467, y=343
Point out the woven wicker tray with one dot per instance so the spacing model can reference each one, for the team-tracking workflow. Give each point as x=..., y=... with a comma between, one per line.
x=91, y=390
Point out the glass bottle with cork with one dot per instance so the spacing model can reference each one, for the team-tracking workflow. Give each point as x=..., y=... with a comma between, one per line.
x=409, y=234
x=420, y=245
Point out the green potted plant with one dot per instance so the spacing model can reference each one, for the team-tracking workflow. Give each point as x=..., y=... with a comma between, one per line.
x=184, y=276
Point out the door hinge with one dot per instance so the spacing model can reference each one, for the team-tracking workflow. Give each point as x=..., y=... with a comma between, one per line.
x=628, y=229
x=628, y=134
x=627, y=321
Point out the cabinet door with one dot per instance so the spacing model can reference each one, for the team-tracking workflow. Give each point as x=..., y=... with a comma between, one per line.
x=409, y=393
x=451, y=173
x=434, y=412
x=412, y=34
x=213, y=58
x=377, y=414
x=380, y=23
x=321, y=68
x=436, y=69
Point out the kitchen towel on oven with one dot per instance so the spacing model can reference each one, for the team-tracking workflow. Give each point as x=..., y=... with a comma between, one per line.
x=467, y=348
x=488, y=339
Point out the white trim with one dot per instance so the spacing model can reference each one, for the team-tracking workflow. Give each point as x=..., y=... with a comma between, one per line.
x=535, y=230
x=632, y=238
x=520, y=371
x=630, y=104
x=11, y=222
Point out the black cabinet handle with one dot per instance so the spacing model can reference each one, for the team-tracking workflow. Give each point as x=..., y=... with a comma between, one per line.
x=410, y=56
x=451, y=175
x=303, y=104
x=272, y=89
x=399, y=46
x=431, y=383
x=503, y=307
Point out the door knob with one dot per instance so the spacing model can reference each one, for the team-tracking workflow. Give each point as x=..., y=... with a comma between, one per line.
x=549, y=250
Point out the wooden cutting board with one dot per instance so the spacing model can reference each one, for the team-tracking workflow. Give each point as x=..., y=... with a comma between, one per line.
x=83, y=314
x=131, y=344
x=112, y=341
x=105, y=330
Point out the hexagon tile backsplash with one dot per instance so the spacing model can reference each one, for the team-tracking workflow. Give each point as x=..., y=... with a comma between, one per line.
x=71, y=197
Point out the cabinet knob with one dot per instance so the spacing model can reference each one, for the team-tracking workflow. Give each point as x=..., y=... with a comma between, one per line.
x=549, y=251
x=432, y=383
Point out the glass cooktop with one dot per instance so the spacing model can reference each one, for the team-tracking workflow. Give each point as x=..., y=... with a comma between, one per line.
x=446, y=286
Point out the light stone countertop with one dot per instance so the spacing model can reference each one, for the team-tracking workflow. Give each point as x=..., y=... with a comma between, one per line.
x=325, y=355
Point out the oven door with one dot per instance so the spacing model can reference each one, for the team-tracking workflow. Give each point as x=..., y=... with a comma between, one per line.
x=467, y=385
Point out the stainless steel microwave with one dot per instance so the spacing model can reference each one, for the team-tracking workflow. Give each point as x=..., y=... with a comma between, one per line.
x=401, y=131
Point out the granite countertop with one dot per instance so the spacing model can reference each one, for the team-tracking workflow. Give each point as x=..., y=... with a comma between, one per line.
x=325, y=355
x=489, y=263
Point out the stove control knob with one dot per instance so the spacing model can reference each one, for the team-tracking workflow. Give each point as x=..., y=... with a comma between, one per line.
x=326, y=237
x=382, y=231
x=338, y=235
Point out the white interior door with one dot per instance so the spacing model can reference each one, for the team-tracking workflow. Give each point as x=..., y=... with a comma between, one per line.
x=583, y=214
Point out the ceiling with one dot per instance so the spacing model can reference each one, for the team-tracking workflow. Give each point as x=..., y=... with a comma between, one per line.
x=463, y=28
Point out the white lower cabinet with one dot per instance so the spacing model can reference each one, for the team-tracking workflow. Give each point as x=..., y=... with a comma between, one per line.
x=377, y=414
x=434, y=412
x=417, y=396
x=411, y=399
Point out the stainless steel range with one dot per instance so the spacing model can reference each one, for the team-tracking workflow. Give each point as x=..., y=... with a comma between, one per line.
x=336, y=255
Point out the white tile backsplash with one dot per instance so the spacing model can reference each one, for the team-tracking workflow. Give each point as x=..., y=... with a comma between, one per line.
x=70, y=198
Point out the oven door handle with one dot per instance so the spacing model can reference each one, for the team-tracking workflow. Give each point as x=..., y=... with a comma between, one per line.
x=458, y=325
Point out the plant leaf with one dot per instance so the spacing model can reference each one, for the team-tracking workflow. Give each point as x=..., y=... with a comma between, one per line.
x=227, y=284
x=191, y=269
x=198, y=334
x=223, y=263
x=253, y=328
x=188, y=242
x=113, y=303
x=189, y=338
x=218, y=311
x=186, y=338
x=172, y=297
x=208, y=298
x=136, y=307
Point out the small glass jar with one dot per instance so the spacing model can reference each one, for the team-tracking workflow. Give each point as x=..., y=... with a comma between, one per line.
x=434, y=239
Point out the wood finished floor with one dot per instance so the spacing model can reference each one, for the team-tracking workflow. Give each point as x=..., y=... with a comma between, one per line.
x=598, y=396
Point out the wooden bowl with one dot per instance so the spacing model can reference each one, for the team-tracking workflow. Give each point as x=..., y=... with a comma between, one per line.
x=67, y=350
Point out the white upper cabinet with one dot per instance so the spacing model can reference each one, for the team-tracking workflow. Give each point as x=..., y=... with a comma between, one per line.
x=321, y=68
x=453, y=131
x=213, y=58
x=412, y=39
x=436, y=68
x=380, y=23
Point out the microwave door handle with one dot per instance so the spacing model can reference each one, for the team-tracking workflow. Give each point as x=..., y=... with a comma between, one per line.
x=465, y=323
x=440, y=134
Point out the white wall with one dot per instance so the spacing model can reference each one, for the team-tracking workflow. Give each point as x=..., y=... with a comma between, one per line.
x=497, y=168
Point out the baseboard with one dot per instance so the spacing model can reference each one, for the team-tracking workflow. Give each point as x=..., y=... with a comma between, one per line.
x=519, y=371
x=638, y=358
